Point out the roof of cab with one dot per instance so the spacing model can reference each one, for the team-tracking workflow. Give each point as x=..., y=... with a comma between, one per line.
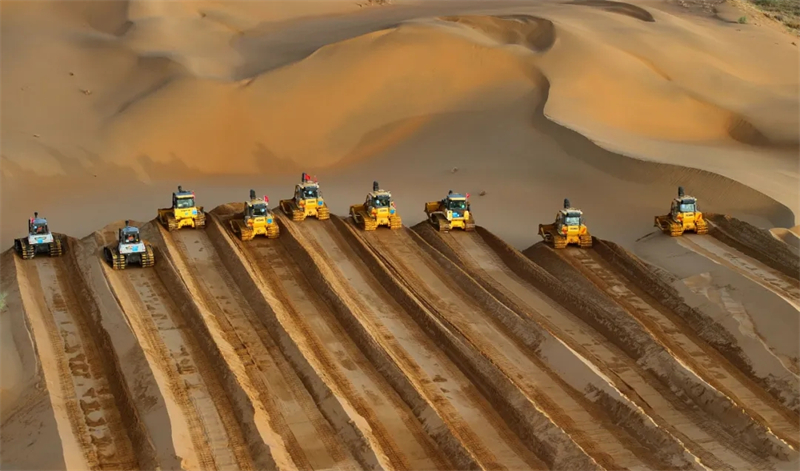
x=456, y=196
x=39, y=221
x=571, y=210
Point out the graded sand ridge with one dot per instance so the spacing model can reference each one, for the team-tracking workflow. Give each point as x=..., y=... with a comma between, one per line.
x=331, y=347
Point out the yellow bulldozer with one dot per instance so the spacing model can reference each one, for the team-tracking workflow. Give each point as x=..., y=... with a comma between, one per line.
x=307, y=201
x=257, y=219
x=683, y=216
x=378, y=210
x=452, y=212
x=184, y=212
x=567, y=229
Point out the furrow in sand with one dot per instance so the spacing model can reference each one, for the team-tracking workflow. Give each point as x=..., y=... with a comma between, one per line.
x=607, y=443
x=389, y=426
x=722, y=254
x=681, y=341
x=207, y=434
x=464, y=411
x=87, y=417
x=715, y=447
x=298, y=435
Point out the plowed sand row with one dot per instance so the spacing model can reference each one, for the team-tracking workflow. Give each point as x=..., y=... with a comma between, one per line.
x=465, y=412
x=722, y=254
x=336, y=348
x=391, y=429
x=607, y=444
x=208, y=432
x=709, y=442
x=681, y=342
x=298, y=435
x=88, y=420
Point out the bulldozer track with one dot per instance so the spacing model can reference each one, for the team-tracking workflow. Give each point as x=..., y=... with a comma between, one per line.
x=182, y=373
x=713, y=446
x=300, y=437
x=73, y=369
x=678, y=337
x=469, y=416
x=718, y=252
x=391, y=429
x=603, y=441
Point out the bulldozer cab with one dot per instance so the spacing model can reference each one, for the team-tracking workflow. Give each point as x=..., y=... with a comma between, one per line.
x=379, y=200
x=257, y=210
x=183, y=199
x=568, y=218
x=686, y=204
x=456, y=203
x=129, y=235
x=37, y=225
x=307, y=189
x=308, y=192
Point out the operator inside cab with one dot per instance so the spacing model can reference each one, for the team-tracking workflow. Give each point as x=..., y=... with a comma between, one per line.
x=260, y=210
x=184, y=203
x=38, y=229
x=129, y=238
x=381, y=201
x=456, y=204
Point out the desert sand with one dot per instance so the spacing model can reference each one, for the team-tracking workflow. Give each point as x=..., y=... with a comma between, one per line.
x=331, y=347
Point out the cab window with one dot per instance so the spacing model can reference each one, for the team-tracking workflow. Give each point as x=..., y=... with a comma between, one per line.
x=453, y=205
x=572, y=220
x=260, y=210
x=309, y=193
x=687, y=207
x=183, y=203
x=381, y=201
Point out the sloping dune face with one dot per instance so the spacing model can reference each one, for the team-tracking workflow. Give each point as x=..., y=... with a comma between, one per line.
x=135, y=94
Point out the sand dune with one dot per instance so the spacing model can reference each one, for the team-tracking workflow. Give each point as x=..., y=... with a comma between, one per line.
x=147, y=92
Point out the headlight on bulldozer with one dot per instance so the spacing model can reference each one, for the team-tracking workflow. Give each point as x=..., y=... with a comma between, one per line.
x=269, y=220
x=319, y=202
x=391, y=211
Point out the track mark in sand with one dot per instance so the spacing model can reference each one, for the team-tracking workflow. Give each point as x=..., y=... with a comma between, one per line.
x=706, y=440
x=751, y=268
x=469, y=415
x=203, y=407
x=702, y=284
x=387, y=423
x=695, y=354
x=72, y=369
x=565, y=407
x=295, y=426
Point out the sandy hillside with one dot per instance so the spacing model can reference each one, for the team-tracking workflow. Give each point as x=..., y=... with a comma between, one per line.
x=331, y=347
x=134, y=101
